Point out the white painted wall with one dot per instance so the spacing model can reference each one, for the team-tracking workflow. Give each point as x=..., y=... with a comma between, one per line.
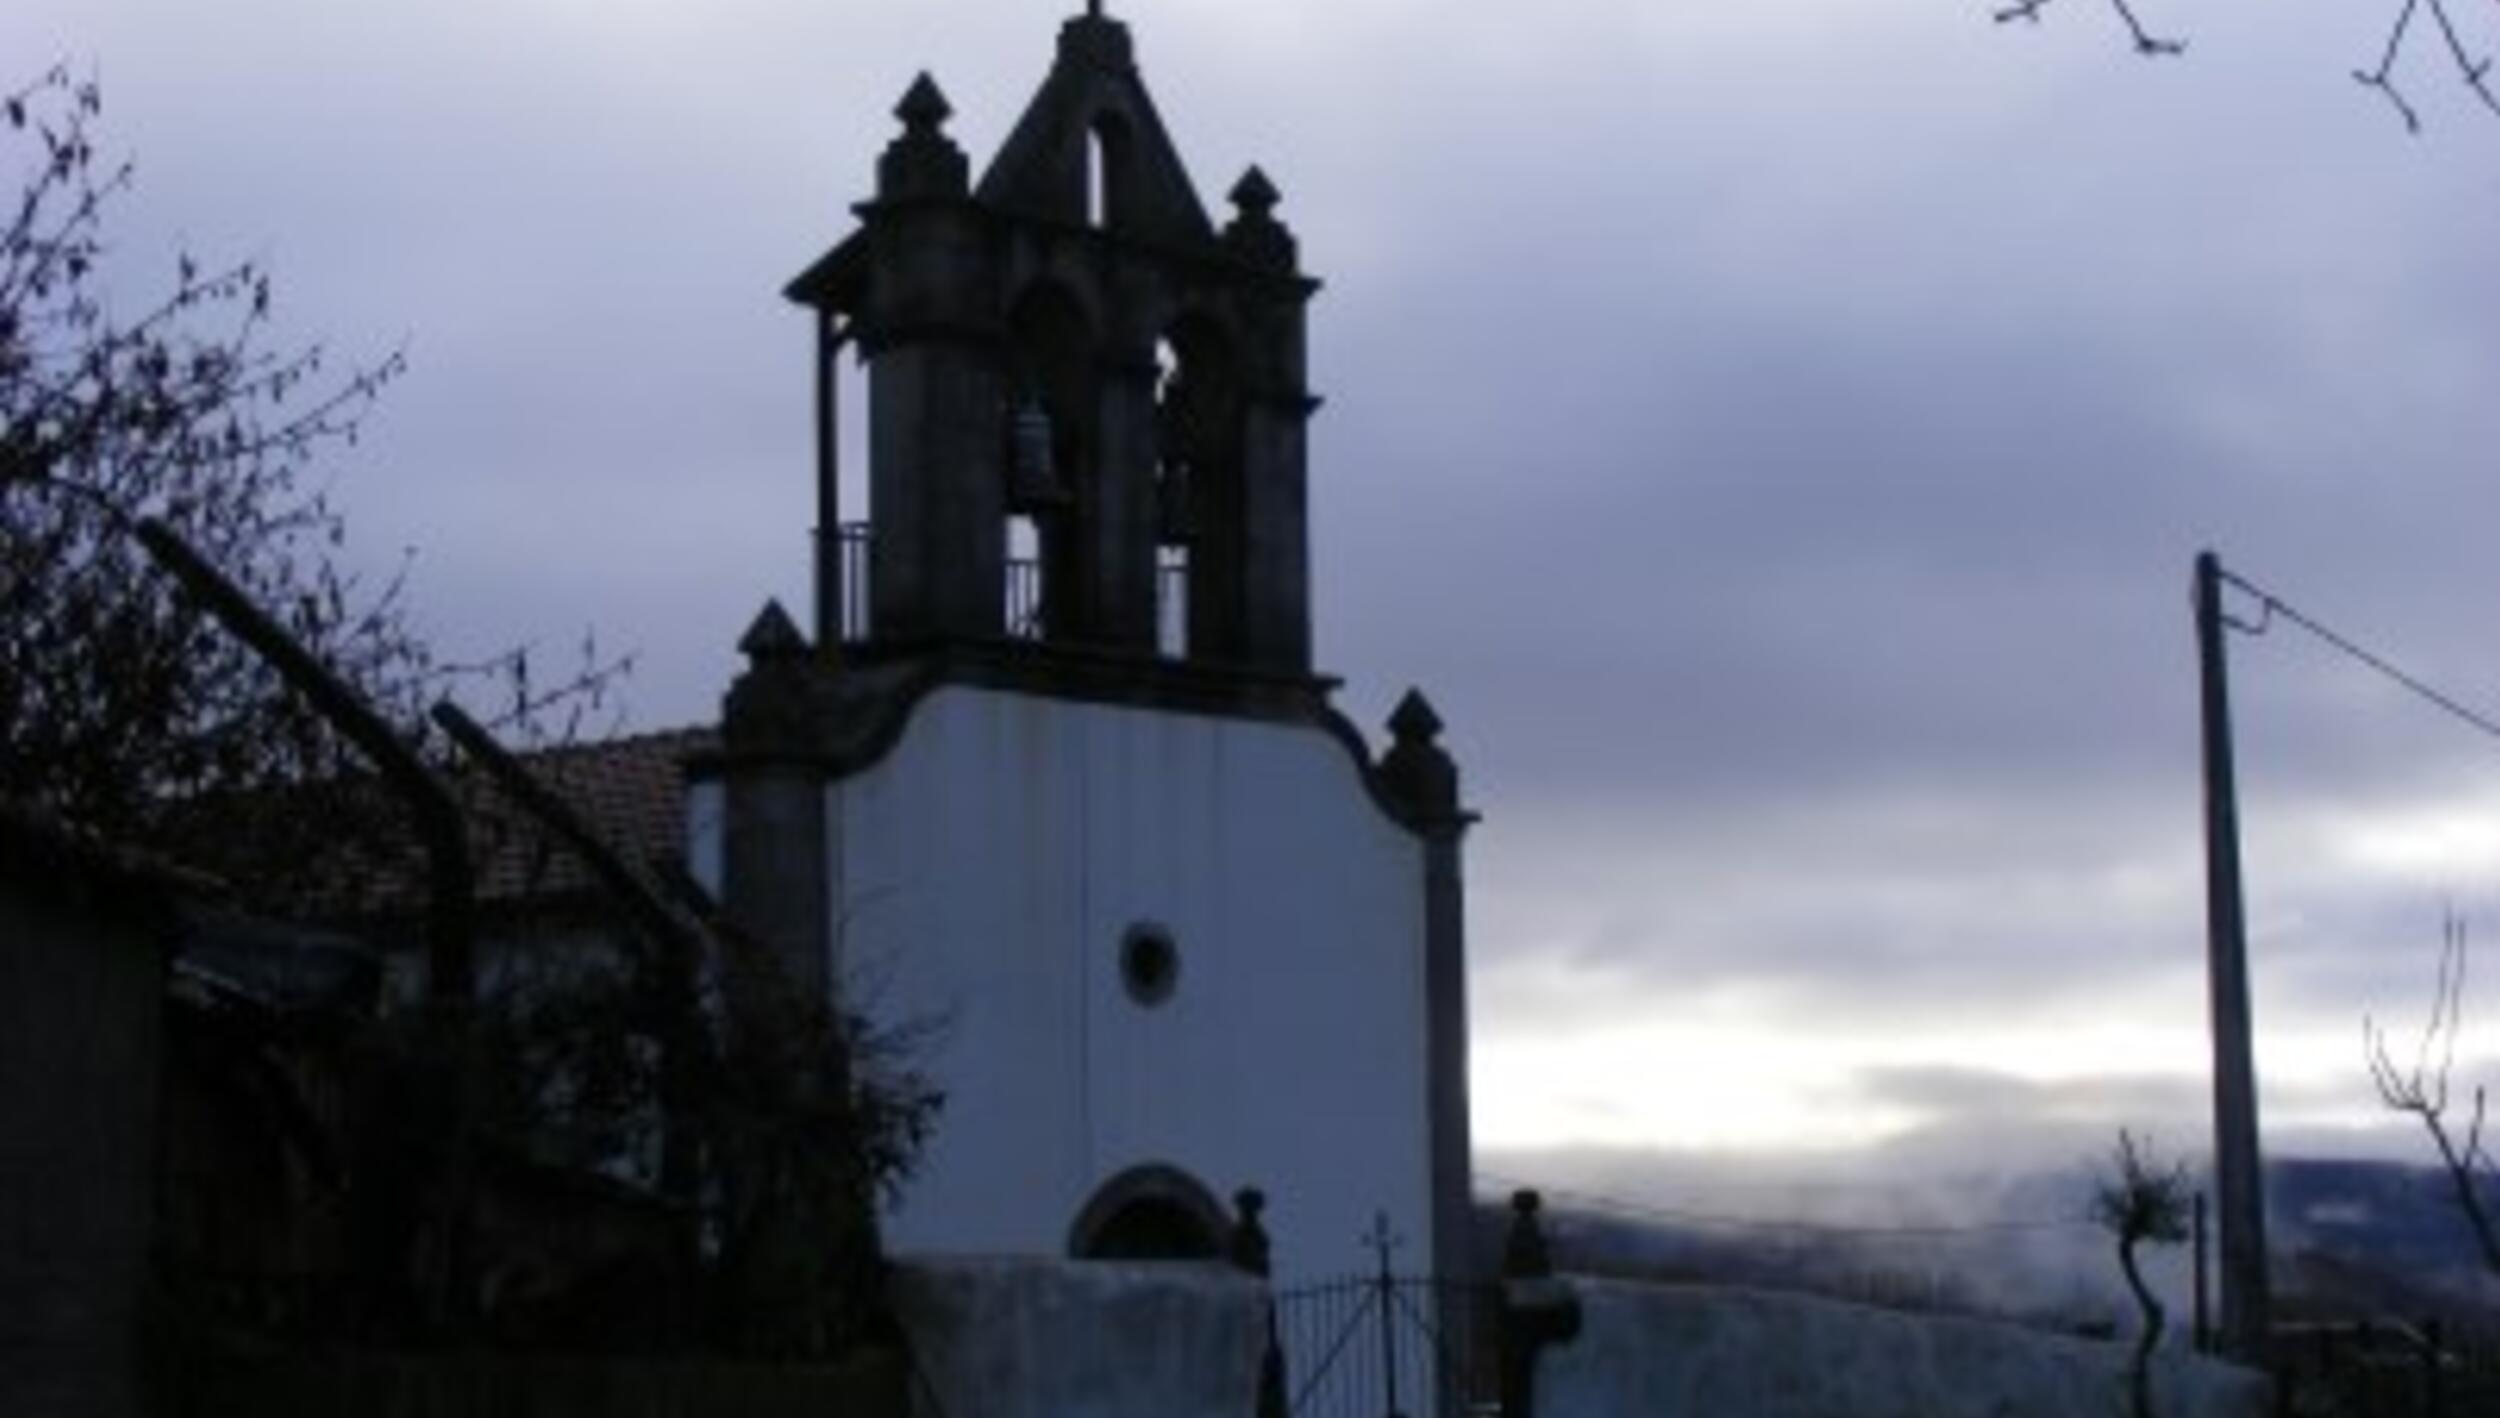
x=1047, y=1339
x=1672, y=1350
x=984, y=873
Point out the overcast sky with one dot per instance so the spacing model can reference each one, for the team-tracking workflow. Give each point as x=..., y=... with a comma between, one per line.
x=1774, y=433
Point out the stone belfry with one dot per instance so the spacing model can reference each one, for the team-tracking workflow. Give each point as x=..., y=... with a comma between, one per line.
x=1087, y=403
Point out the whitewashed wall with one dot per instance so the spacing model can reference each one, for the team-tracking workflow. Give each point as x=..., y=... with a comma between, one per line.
x=1649, y=1351
x=984, y=873
x=1049, y=1339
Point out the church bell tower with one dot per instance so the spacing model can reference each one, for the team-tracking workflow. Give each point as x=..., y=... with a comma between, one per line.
x=1086, y=402
x=1056, y=769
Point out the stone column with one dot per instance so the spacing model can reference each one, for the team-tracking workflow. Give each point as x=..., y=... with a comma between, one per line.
x=1423, y=778
x=774, y=863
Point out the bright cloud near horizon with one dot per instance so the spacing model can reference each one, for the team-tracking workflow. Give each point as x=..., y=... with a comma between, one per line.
x=1776, y=436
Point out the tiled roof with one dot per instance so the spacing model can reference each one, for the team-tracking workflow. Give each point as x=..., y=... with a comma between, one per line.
x=631, y=792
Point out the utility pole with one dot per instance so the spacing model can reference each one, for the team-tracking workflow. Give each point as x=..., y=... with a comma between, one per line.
x=2238, y=1167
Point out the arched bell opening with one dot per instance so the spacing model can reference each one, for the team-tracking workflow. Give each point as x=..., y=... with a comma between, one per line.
x=1052, y=400
x=1108, y=178
x=1198, y=430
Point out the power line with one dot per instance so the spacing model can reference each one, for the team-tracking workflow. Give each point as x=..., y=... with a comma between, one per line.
x=1649, y=1211
x=2271, y=605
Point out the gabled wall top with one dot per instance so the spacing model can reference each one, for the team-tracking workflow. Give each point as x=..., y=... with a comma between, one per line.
x=1093, y=109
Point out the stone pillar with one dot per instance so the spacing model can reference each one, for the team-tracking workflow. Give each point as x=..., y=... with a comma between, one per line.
x=1274, y=531
x=1119, y=557
x=937, y=400
x=775, y=867
x=1275, y=549
x=1423, y=778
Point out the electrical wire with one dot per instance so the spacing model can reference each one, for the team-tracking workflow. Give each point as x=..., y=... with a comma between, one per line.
x=2272, y=605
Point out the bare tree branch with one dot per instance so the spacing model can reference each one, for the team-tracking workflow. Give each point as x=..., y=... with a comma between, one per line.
x=2145, y=41
x=2476, y=72
x=2423, y=1090
x=2382, y=78
x=121, y=709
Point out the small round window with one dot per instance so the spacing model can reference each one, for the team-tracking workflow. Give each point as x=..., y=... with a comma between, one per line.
x=1150, y=965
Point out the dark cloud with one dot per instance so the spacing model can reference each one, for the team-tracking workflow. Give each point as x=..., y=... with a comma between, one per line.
x=1776, y=440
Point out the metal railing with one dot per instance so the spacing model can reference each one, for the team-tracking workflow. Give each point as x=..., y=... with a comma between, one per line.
x=1172, y=604
x=1023, y=620
x=1023, y=614
x=857, y=541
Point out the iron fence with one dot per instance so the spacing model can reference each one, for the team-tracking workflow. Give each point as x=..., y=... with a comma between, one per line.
x=857, y=543
x=1022, y=614
x=1369, y=1346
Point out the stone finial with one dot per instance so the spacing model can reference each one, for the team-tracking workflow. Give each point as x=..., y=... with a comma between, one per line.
x=923, y=162
x=1418, y=772
x=1249, y=1249
x=1254, y=234
x=1097, y=39
x=924, y=108
x=1525, y=1255
x=775, y=708
x=1414, y=720
x=773, y=636
x=1254, y=193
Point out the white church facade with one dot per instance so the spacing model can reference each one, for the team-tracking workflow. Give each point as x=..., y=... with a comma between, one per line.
x=1056, y=774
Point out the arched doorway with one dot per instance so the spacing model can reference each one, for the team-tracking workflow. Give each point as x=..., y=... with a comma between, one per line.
x=1151, y=1212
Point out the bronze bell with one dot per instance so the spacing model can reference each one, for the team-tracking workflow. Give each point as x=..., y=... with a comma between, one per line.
x=1033, y=465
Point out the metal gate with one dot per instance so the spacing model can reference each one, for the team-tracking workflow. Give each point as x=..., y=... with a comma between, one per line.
x=1383, y=1345
x=1387, y=1346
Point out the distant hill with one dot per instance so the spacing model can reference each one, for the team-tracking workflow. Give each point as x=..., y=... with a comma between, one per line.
x=2351, y=1240
x=2358, y=1240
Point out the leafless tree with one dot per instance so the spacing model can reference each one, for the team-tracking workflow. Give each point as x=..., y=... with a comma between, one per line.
x=123, y=709
x=2422, y=1090
x=2142, y=1202
x=2474, y=69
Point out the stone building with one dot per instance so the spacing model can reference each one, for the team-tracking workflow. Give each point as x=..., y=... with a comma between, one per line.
x=1057, y=773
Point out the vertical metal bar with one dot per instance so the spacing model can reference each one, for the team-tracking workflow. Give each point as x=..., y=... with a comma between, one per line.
x=2204, y=1318
x=1386, y=1300
x=2237, y=1162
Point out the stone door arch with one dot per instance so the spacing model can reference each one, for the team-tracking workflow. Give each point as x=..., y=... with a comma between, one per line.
x=1150, y=1212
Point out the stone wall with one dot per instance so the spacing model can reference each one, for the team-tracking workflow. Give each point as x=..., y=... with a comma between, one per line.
x=1646, y=1351
x=1057, y=1339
